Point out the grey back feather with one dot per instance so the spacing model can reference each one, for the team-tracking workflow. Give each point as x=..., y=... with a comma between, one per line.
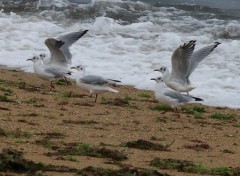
x=57, y=73
x=93, y=79
x=180, y=98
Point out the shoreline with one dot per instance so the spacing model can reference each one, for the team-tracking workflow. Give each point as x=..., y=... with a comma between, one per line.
x=72, y=80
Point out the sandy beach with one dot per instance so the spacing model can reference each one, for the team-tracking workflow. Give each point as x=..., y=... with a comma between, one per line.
x=64, y=132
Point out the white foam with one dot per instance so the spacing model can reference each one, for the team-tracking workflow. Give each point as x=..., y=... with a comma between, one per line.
x=131, y=52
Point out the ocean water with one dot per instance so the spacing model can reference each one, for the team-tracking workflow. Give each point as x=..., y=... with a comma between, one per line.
x=127, y=40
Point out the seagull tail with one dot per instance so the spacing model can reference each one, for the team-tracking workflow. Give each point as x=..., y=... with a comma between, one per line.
x=113, y=90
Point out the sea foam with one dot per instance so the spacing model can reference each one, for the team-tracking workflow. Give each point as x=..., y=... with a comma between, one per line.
x=131, y=51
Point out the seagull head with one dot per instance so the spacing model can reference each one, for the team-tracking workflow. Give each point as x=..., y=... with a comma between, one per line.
x=42, y=56
x=162, y=70
x=79, y=68
x=34, y=59
x=158, y=79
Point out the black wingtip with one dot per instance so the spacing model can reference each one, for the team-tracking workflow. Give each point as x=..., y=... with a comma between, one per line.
x=114, y=80
x=58, y=44
x=197, y=99
x=191, y=44
x=69, y=73
x=84, y=32
x=216, y=44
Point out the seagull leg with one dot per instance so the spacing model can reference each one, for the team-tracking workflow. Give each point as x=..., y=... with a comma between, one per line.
x=51, y=86
x=66, y=81
x=177, y=112
x=96, y=98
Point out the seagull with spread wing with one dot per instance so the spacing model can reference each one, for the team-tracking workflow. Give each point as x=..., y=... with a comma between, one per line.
x=184, y=62
x=60, y=57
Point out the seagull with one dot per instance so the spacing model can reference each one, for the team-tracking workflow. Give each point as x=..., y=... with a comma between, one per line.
x=171, y=97
x=60, y=54
x=184, y=62
x=60, y=57
x=48, y=72
x=93, y=83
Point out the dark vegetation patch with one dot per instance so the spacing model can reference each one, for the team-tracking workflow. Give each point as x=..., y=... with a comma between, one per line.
x=84, y=104
x=29, y=87
x=18, y=133
x=6, y=91
x=29, y=114
x=196, y=111
x=4, y=108
x=54, y=135
x=193, y=110
x=220, y=116
x=61, y=82
x=31, y=101
x=146, y=145
x=124, y=171
x=116, y=102
x=190, y=167
x=161, y=108
x=228, y=151
x=80, y=122
x=80, y=149
x=29, y=123
x=48, y=144
x=4, y=98
x=197, y=147
x=13, y=161
x=62, y=103
x=2, y=132
x=144, y=95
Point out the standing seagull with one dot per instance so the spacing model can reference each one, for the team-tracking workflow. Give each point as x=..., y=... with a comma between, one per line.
x=48, y=72
x=94, y=84
x=184, y=62
x=170, y=97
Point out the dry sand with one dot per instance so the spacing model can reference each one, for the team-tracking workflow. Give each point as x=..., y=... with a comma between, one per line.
x=39, y=122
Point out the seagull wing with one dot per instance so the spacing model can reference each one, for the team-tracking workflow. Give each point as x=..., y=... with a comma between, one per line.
x=93, y=79
x=180, y=98
x=56, y=72
x=68, y=40
x=181, y=61
x=199, y=55
x=57, y=57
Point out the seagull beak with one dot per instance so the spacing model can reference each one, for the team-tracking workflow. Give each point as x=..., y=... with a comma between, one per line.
x=153, y=79
x=29, y=60
x=156, y=70
x=73, y=68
